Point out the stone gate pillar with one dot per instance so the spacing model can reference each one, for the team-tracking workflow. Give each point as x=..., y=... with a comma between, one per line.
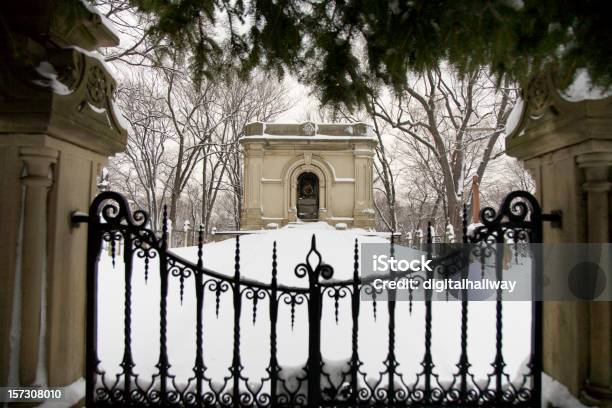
x=57, y=128
x=565, y=140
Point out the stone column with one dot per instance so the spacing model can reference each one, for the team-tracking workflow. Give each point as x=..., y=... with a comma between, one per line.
x=37, y=181
x=363, y=214
x=596, y=167
x=566, y=143
x=323, y=199
x=252, y=203
x=292, y=211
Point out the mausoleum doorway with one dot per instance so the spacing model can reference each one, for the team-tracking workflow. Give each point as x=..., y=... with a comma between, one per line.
x=308, y=197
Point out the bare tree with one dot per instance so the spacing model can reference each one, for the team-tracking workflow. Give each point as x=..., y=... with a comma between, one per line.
x=142, y=170
x=137, y=47
x=385, y=181
x=260, y=98
x=183, y=136
x=451, y=126
x=193, y=112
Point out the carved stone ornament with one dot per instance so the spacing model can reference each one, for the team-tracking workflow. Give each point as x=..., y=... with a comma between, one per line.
x=548, y=120
x=69, y=93
x=100, y=87
x=538, y=96
x=361, y=129
x=309, y=129
x=307, y=157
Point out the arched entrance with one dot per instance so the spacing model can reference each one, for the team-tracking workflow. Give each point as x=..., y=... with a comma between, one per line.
x=308, y=196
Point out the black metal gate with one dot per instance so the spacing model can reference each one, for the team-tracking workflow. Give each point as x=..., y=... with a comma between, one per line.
x=111, y=221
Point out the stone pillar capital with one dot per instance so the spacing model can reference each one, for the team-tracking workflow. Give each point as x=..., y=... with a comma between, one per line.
x=596, y=167
x=598, y=159
x=38, y=161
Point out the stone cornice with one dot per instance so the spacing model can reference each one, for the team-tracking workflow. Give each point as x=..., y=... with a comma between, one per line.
x=89, y=30
x=75, y=104
x=308, y=129
x=549, y=122
x=58, y=23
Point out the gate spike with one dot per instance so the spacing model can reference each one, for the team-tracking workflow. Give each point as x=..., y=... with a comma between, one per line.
x=182, y=286
x=410, y=300
x=255, y=307
x=374, y=304
x=274, y=264
x=146, y=268
x=482, y=267
x=112, y=242
x=200, y=243
x=165, y=227
x=336, y=299
x=217, y=298
x=292, y=313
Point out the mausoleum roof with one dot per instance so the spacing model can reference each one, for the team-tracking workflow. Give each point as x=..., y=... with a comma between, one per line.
x=309, y=130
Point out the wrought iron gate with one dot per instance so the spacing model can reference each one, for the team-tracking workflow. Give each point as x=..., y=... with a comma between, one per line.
x=111, y=221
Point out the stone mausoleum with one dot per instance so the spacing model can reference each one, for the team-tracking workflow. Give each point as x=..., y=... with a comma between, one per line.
x=308, y=172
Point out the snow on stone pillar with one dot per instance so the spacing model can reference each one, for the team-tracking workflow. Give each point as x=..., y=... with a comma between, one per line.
x=449, y=235
x=418, y=237
x=186, y=229
x=170, y=234
x=37, y=181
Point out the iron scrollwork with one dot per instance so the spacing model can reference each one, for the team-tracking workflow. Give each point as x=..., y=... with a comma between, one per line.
x=316, y=383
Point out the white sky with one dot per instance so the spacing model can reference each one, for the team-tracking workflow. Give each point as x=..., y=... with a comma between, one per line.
x=303, y=102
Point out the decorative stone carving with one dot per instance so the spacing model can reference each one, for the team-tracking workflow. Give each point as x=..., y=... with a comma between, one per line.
x=309, y=129
x=361, y=129
x=548, y=120
x=73, y=93
x=307, y=158
x=537, y=96
x=100, y=87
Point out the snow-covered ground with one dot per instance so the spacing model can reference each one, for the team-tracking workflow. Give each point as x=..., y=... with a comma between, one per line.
x=293, y=243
